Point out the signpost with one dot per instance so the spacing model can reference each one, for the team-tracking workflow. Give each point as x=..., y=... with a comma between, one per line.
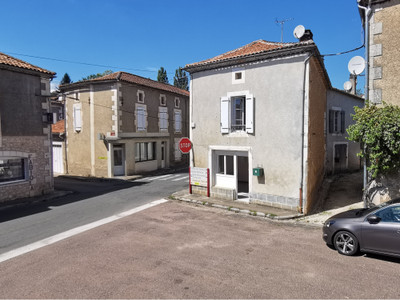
x=185, y=145
x=199, y=177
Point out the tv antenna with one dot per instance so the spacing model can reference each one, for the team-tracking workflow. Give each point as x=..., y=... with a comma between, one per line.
x=282, y=22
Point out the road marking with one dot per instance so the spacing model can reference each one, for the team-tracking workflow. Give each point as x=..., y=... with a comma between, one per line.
x=180, y=178
x=169, y=177
x=69, y=233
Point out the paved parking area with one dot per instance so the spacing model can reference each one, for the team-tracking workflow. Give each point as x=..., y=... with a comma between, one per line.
x=179, y=250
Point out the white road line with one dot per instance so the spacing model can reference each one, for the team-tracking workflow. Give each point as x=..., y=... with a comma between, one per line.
x=180, y=178
x=158, y=177
x=169, y=177
x=69, y=233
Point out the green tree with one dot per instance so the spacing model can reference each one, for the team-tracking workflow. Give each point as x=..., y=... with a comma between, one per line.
x=93, y=76
x=181, y=79
x=377, y=128
x=66, y=79
x=162, y=76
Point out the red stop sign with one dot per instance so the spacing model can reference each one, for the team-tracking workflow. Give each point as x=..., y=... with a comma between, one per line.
x=185, y=145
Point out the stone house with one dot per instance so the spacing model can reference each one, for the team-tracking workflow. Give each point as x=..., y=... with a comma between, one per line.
x=258, y=123
x=341, y=154
x=25, y=135
x=384, y=44
x=123, y=124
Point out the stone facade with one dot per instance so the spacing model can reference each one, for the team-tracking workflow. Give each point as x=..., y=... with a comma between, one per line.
x=384, y=52
x=25, y=133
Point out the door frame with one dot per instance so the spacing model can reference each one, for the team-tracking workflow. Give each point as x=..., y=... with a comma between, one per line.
x=122, y=148
x=334, y=152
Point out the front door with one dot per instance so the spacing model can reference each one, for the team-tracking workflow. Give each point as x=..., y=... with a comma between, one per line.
x=119, y=161
x=340, y=158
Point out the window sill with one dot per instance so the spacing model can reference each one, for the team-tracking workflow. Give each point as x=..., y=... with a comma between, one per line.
x=19, y=181
x=237, y=134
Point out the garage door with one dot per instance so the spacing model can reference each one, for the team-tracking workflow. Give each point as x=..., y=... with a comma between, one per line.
x=58, y=165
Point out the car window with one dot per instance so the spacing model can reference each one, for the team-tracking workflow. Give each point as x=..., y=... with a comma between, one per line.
x=389, y=214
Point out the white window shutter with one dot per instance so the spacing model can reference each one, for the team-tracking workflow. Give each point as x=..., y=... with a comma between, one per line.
x=141, y=118
x=225, y=115
x=77, y=118
x=250, y=114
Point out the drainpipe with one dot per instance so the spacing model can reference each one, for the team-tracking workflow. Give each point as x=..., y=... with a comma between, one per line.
x=301, y=190
x=367, y=11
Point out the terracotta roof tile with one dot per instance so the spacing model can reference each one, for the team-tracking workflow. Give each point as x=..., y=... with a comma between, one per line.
x=59, y=127
x=14, y=62
x=256, y=47
x=127, y=77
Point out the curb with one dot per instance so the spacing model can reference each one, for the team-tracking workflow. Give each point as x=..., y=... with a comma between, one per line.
x=237, y=210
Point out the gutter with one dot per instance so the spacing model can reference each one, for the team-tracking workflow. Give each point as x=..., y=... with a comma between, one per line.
x=302, y=190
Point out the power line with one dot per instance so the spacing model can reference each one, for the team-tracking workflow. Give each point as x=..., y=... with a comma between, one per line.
x=82, y=63
x=344, y=52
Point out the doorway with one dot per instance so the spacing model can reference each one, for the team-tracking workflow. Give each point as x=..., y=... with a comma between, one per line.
x=119, y=159
x=162, y=155
x=340, y=158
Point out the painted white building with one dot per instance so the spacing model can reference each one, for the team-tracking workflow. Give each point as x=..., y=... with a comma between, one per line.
x=258, y=122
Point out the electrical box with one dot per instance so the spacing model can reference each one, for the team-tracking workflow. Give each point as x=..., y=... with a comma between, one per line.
x=258, y=171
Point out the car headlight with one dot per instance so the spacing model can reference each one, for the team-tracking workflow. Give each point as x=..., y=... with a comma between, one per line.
x=329, y=223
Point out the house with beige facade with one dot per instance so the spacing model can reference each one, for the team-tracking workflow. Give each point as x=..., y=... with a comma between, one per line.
x=122, y=124
x=25, y=134
x=258, y=122
x=383, y=48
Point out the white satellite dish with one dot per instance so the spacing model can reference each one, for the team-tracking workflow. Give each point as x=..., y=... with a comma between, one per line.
x=356, y=65
x=299, y=31
x=347, y=86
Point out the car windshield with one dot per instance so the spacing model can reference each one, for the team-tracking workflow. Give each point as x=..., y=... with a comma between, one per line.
x=366, y=211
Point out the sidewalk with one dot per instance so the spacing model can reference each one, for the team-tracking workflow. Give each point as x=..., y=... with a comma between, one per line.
x=236, y=206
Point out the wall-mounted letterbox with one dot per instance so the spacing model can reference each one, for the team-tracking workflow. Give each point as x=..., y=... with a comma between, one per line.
x=258, y=171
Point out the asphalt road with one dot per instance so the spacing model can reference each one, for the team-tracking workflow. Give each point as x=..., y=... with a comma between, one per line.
x=89, y=202
x=177, y=250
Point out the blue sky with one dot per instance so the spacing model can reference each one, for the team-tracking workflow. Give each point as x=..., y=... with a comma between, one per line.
x=141, y=36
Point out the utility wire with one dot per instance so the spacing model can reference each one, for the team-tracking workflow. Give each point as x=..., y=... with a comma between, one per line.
x=344, y=52
x=83, y=63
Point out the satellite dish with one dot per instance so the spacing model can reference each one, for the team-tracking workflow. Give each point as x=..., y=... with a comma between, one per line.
x=356, y=65
x=347, y=86
x=299, y=31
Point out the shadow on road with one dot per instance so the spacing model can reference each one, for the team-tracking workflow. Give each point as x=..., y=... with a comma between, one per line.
x=81, y=190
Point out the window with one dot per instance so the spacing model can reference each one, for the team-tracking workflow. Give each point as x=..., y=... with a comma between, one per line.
x=389, y=214
x=163, y=117
x=163, y=100
x=237, y=113
x=336, y=121
x=77, y=117
x=140, y=96
x=0, y=132
x=141, y=118
x=178, y=153
x=225, y=164
x=177, y=102
x=12, y=169
x=178, y=120
x=145, y=151
x=238, y=76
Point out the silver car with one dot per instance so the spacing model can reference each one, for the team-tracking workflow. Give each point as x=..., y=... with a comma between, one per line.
x=375, y=230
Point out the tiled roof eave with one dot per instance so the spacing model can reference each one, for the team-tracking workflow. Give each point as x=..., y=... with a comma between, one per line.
x=250, y=58
x=27, y=71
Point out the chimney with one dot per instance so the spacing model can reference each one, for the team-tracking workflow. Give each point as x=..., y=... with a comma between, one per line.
x=353, y=80
x=306, y=36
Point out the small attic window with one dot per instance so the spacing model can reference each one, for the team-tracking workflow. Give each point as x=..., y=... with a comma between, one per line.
x=238, y=76
x=140, y=96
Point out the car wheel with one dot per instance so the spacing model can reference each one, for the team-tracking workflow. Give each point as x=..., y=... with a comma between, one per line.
x=345, y=243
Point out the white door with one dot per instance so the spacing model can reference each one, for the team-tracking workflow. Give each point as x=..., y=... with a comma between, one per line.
x=58, y=165
x=119, y=169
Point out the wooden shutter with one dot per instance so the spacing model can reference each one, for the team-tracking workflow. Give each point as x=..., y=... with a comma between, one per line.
x=141, y=118
x=178, y=121
x=342, y=122
x=225, y=115
x=331, y=120
x=250, y=114
x=163, y=118
x=77, y=118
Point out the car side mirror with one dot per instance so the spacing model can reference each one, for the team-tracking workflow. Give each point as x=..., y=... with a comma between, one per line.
x=373, y=219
